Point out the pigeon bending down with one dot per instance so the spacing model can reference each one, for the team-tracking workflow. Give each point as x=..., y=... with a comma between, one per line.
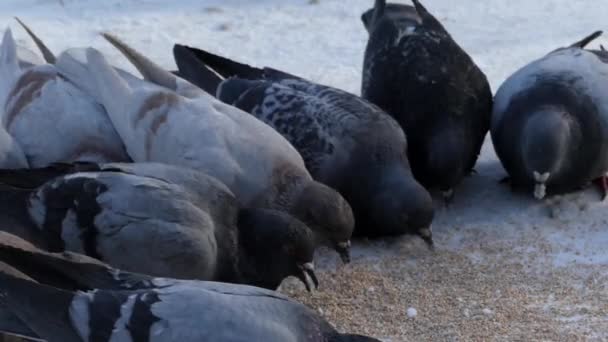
x=162, y=220
x=52, y=119
x=78, y=300
x=550, y=121
x=415, y=71
x=346, y=142
x=174, y=122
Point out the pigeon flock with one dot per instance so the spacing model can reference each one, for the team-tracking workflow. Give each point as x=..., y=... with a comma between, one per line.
x=171, y=206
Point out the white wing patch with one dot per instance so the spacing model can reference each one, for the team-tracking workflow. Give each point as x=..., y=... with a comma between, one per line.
x=89, y=175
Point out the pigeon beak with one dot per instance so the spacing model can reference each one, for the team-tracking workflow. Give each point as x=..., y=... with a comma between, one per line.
x=427, y=235
x=308, y=277
x=343, y=248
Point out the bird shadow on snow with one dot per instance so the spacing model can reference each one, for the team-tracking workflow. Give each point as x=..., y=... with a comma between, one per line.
x=563, y=229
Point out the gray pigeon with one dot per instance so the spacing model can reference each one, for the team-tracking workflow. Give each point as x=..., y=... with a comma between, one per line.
x=167, y=119
x=346, y=142
x=88, y=301
x=550, y=121
x=415, y=71
x=162, y=220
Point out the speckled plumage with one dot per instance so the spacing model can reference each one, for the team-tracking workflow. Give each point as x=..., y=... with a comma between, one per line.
x=346, y=142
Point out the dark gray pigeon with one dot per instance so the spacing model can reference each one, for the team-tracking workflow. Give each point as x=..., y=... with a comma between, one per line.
x=346, y=142
x=550, y=121
x=415, y=71
x=162, y=220
x=78, y=300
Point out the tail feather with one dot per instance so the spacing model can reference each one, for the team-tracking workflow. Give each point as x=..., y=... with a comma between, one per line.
x=49, y=57
x=44, y=309
x=583, y=42
x=113, y=91
x=195, y=71
x=152, y=72
x=209, y=71
x=68, y=271
x=225, y=67
x=379, y=7
x=72, y=64
x=148, y=69
x=427, y=18
x=8, y=53
x=9, y=65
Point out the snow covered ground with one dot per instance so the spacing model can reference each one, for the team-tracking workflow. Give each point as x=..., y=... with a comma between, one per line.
x=507, y=267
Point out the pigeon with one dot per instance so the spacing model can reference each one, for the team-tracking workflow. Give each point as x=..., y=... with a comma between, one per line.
x=166, y=121
x=550, y=121
x=80, y=300
x=415, y=71
x=165, y=221
x=346, y=142
x=50, y=118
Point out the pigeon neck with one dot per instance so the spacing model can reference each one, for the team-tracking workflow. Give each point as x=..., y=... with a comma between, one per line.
x=250, y=272
x=247, y=271
x=250, y=269
x=288, y=195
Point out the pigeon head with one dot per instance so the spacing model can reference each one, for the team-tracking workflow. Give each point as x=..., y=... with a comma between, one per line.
x=399, y=205
x=276, y=245
x=328, y=214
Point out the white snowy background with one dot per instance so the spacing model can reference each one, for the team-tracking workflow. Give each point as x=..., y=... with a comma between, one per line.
x=507, y=267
